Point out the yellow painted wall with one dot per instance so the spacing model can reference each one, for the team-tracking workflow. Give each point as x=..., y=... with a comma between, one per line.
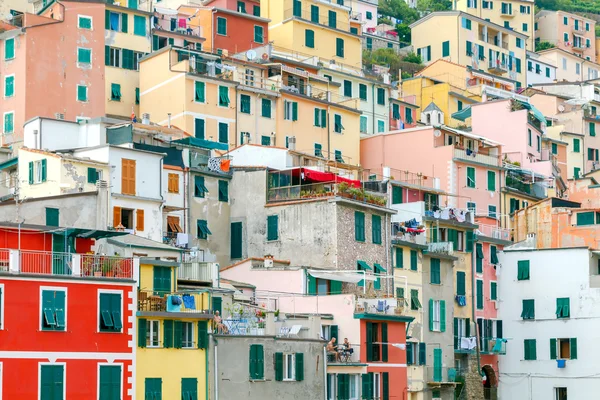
x=147, y=277
x=255, y=123
x=414, y=280
x=507, y=220
x=171, y=365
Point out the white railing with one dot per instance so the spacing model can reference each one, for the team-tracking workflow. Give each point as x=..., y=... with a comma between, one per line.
x=461, y=154
x=198, y=271
x=494, y=231
x=441, y=247
x=4, y=260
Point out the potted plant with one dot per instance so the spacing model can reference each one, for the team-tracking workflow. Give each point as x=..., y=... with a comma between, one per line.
x=276, y=315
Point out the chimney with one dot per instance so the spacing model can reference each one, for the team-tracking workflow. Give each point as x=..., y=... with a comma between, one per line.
x=146, y=119
x=169, y=119
x=268, y=261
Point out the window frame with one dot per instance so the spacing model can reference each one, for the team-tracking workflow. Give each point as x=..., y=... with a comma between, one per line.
x=217, y=23
x=6, y=78
x=81, y=63
x=86, y=94
x=287, y=358
x=98, y=382
x=436, y=325
x=109, y=291
x=41, y=307
x=14, y=52
x=150, y=330
x=12, y=113
x=190, y=343
x=474, y=185
x=262, y=28
x=64, y=377
x=80, y=17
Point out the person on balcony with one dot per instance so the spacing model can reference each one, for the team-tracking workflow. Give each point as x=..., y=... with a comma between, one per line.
x=221, y=327
x=332, y=349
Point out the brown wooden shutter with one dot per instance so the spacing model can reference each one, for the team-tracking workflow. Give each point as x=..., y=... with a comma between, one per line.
x=139, y=220
x=116, y=216
x=128, y=177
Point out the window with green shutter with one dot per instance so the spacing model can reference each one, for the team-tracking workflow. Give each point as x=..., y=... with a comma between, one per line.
x=413, y=260
x=354, y=30
x=461, y=283
x=115, y=92
x=471, y=177
x=339, y=47
x=84, y=56
x=446, y=49
x=381, y=96
x=369, y=43
x=554, y=148
x=139, y=25
x=309, y=38
x=153, y=388
x=223, y=132
x=236, y=240
x=9, y=49
x=52, y=216
x=221, y=26
x=265, y=140
x=110, y=382
x=363, y=124
x=161, y=280
x=223, y=96
x=396, y=195
x=435, y=272
x=318, y=150
x=199, y=129
x=493, y=291
x=189, y=388
x=256, y=11
x=523, y=270
x=92, y=175
x=272, y=227
x=337, y=123
x=592, y=129
x=82, y=93
x=110, y=315
x=399, y=257
x=338, y=156
x=314, y=14
x=199, y=189
x=347, y=88
x=479, y=294
x=137, y=95
x=362, y=91
x=199, y=92
x=415, y=304
x=52, y=382
x=257, y=362
x=529, y=349
x=84, y=22
x=259, y=34
x=528, y=311
x=223, y=191
x=53, y=304
x=576, y=145
x=479, y=258
x=491, y=181
x=332, y=19
x=9, y=86
x=359, y=226
x=563, y=307
x=376, y=229
x=245, y=104
x=266, y=108
x=586, y=218
x=396, y=111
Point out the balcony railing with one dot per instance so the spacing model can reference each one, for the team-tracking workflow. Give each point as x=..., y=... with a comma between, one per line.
x=324, y=189
x=188, y=30
x=67, y=264
x=438, y=375
x=494, y=231
x=173, y=302
x=198, y=271
x=498, y=66
x=535, y=122
x=200, y=162
x=469, y=155
x=441, y=248
x=491, y=345
x=320, y=18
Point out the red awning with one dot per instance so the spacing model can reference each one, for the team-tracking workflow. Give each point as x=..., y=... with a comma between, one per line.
x=317, y=176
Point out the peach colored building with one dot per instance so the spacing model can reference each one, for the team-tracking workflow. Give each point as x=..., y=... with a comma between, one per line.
x=569, y=32
x=54, y=67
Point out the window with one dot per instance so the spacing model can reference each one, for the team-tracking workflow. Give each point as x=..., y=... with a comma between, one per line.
x=564, y=64
x=362, y=91
x=236, y=240
x=359, y=226
x=54, y=311
x=128, y=172
x=562, y=307
x=52, y=216
x=272, y=227
x=523, y=270
x=399, y=258
x=472, y=3
x=223, y=96
x=492, y=211
x=332, y=19
x=520, y=43
x=435, y=274
x=587, y=218
x=202, y=229
x=9, y=49
x=470, y=177
x=9, y=124
x=415, y=304
x=339, y=47
x=560, y=393
x=466, y=23
x=173, y=183
x=563, y=349
x=290, y=110
x=446, y=49
x=320, y=118
x=576, y=173
x=363, y=124
x=259, y=34
x=112, y=57
x=223, y=132
x=338, y=156
x=461, y=283
x=369, y=43
x=424, y=53
x=381, y=96
x=256, y=11
x=115, y=92
x=491, y=181
x=380, y=126
x=528, y=311
x=9, y=86
x=199, y=128
x=84, y=56
x=152, y=333
x=139, y=25
x=577, y=68
x=413, y=260
x=245, y=104
x=529, y=350
x=525, y=27
x=187, y=335
x=376, y=229
x=369, y=15
x=52, y=381
x=153, y=388
x=592, y=129
x=318, y=150
x=189, y=386
x=309, y=38
x=396, y=195
x=289, y=374
x=493, y=291
x=84, y=22
x=479, y=297
x=110, y=381
x=437, y=315
x=565, y=21
x=199, y=188
x=257, y=362
x=221, y=26
x=347, y=88
x=314, y=14
x=266, y=108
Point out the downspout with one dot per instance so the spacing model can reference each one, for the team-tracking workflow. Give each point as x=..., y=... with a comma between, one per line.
x=473, y=303
x=328, y=135
x=324, y=373
x=212, y=21
x=373, y=101
x=216, y=391
x=388, y=253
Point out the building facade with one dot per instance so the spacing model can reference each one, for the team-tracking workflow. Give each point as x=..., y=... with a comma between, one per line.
x=570, y=32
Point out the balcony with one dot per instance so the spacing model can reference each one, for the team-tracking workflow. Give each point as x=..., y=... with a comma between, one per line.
x=380, y=306
x=198, y=271
x=492, y=346
x=497, y=66
x=187, y=29
x=199, y=161
x=67, y=264
x=446, y=248
x=493, y=231
x=322, y=19
x=473, y=156
x=437, y=376
x=533, y=121
x=173, y=302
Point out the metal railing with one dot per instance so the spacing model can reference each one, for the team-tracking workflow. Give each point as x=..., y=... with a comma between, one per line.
x=441, y=374
x=45, y=263
x=324, y=189
x=441, y=247
x=534, y=121
x=164, y=25
x=498, y=65
x=165, y=301
x=464, y=344
x=321, y=18
x=4, y=260
x=201, y=162
x=106, y=266
x=468, y=155
x=197, y=271
x=490, y=345
x=494, y=231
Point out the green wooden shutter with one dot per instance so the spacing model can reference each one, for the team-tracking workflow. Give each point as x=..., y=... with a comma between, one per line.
x=92, y=175
x=422, y=353
x=396, y=195
x=178, y=334
x=44, y=170
x=168, y=333
x=359, y=226
x=399, y=257
x=493, y=291
x=553, y=349
x=367, y=386
x=469, y=241
x=413, y=260
x=409, y=354
x=384, y=339
x=460, y=283
x=294, y=111
x=299, y=366
x=312, y=284
x=199, y=128
x=236, y=240
x=333, y=332
x=442, y=315
x=437, y=365
x=106, y=19
x=335, y=287
x=431, y=315
x=189, y=388
x=470, y=177
x=339, y=47
x=479, y=294
x=376, y=229
x=314, y=14
x=141, y=332
x=124, y=23
x=272, y=227
x=278, y=366
x=456, y=337
x=385, y=381
x=252, y=361
x=479, y=258
x=369, y=341
x=266, y=108
x=573, y=348
x=592, y=129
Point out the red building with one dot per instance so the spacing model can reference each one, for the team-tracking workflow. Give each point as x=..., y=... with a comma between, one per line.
x=66, y=319
x=403, y=115
x=386, y=376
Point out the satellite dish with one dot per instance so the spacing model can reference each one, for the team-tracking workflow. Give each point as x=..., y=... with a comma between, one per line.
x=251, y=54
x=561, y=108
x=437, y=133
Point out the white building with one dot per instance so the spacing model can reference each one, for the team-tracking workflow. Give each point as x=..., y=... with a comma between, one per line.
x=539, y=69
x=364, y=11
x=548, y=300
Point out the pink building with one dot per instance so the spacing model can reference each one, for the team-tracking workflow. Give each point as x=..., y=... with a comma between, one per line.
x=569, y=32
x=244, y=6
x=403, y=115
x=468, y=165
x=54, y=67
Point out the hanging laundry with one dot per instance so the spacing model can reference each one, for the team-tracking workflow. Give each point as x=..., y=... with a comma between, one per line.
x=498, y=345
x=225, y=165
x=214, y=164
x=461, y=300
x=173, y=304
x=468, y=343
x=182, y=23
x=189, y=302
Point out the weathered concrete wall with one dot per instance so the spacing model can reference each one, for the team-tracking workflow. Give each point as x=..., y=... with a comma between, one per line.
x=232, y=353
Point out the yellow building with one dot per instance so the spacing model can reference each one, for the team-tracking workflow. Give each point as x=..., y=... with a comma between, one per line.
x=127, y=40
x=171, y=358
x=192, y=90
x=314, y=28
x=515, y=14
x=471, y=41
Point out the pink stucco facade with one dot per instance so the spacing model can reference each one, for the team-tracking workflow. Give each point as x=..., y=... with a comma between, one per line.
x=46, y=67
x=423, y=152
x=233, y=4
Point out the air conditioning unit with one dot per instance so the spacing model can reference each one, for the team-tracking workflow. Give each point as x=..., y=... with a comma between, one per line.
x=101, y=184
x=292, y=143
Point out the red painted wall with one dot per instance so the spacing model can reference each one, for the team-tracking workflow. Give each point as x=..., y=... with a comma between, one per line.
x=240, y=33
x=395, y=124
x=21, y=333
x=30, y=240
x=398, y=382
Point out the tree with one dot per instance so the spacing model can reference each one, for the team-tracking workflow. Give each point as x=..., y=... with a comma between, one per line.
x=597, y=30
x=403, y=33
x=539, y=46
x=434, y=5
x=384, y=57
x=398, y=9
x=412, y=58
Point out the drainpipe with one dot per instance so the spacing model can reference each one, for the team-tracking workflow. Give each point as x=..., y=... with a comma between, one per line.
x=328, y=135
x=324, y=373
x=473, y=304
x=388, y=253
x=373, y=101
x=216, y=396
